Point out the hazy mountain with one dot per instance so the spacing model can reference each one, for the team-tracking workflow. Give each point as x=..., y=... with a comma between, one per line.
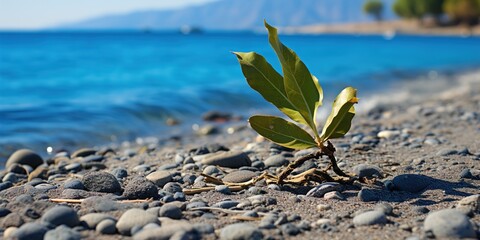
x=238, y=15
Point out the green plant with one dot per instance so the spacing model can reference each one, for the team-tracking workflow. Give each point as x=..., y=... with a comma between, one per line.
x=374, y=8
x=298, y=95
x=463, y=11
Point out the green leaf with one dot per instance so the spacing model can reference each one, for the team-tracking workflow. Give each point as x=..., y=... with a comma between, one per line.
x=282, y=132
x=263, y=78
x=340, y=119
x=299, y=84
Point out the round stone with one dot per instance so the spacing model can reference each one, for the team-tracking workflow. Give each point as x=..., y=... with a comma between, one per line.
x=134, y=217
x=62, y=232
x=30, y=231
x=367, y=171
x=73, y=184
x=413, y=183
x=59, y=215
x=449, y=223
x=171, y=210
x=370, y=218
x=239, y=176
x=106, y=226
x=172, y=187
x=275, y=161
x=119, y=173
x=83, y=152
x=241, y=231
x=140, y=188
x=101, y=182
x=160, y=178
x=25, y=157
x=230, y=159
x=91, y=220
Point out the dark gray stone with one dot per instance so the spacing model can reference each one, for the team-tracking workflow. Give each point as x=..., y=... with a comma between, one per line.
x=223, y=189
x=449, y=223
x=172, y=187
x=230, y=159
x=30, y=231
x=83, y=152
x=119, y=173
x=171, y=210
x=323, y=188
x=62, y=232
x=91, y=220
x=106, y=226
x=241, y=231
x=101, y=182
x=368, y=171
x=24, y=157
x=59, y=215
x=368, y=195
x=4, y=212
x=226, y=204
x=5, y=185
x=275, y=161
x=413, y=183
x=73, y=184
x=140, y=188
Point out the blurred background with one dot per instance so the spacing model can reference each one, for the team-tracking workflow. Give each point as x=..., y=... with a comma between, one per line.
x=83, y=73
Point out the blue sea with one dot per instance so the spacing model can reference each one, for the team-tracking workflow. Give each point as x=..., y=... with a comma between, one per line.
x=75, y=89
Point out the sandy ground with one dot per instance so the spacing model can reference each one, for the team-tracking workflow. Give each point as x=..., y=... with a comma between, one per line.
x=387, y=28
x=434, y=118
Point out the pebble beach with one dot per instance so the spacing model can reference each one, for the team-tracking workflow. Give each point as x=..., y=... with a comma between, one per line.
x=415, y=157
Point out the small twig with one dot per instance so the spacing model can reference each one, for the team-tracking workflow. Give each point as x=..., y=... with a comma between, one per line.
x=297, y=163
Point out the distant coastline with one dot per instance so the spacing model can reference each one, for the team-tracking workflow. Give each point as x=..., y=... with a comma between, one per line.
x=387, y=28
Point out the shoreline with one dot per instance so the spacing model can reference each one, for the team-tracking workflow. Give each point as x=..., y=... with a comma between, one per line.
x=386, y=28
x=421, y=155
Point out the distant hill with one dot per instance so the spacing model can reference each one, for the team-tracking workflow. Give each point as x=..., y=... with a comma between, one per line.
x=237, y=15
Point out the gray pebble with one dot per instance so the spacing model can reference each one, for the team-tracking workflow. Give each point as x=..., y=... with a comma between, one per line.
x=231, y=159
x=239, y=176
x=101, y=182
x=119, y=173
x=172, y=187
x=290, y=229
x=275, y=161
x=370, y=218
x=413, y=183
x=447, y=152
x=226, y=204
x=223, y=189
x=83, y=152
x=323, y=188
x=160, y=178
x=5, y=185
x=171, y=210
x=449, y=223
x=30, y=231
x=368, y=195
x=62, y=232
x=211, y=170
x=241, y=231
x=385, y=208
x=134, y=217
x=106, y=226
x=368, y=171
x=59, y=215
x=91, y=220
x=24, y=157
x=73, y=184
x=140, y=188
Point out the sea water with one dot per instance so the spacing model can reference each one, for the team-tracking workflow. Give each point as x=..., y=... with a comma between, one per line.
x=75, y=89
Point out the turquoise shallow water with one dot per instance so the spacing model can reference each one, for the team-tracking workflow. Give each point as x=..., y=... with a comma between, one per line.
x=79, y=88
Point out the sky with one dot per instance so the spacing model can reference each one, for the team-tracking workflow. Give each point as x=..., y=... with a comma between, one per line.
x=37, y=14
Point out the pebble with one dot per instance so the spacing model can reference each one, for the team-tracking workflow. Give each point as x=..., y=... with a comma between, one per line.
x=226, y=204
x=385, y=208
x=275, y=161
x=230, y=159
x=8, y=233
x=420, y=209
x=73, y=167
x=466, y=173
x=368, y=195
x=140, y=188
x=12, y=220
x=470, y=203
x=368, y=171
x=45, y=187
x=59, y=215
x=134, y=217
x=388, y=134
x=413, y=183
x=91, y=220
x=101, y=182
x=290, y=229
x=211, y=170
x=170, y=210
x=10, y=177
x=83, y=152
x=172, y=187
x=223, y=189
x=323, y=207
x=141, y=168
x=119, y=173
x=334, y=195
x=24, y=157
x=370, y=218
x=106, y=226
x=166, y=231
x=447, y=152
x=17, y=168
x=160, y=178
x=323, y=188
x=73, y=184
x=4, y=212
x=62, y=232
x=273, y=186
x=240, y=231
x=30, y=231
x=5, y=185
x=239, y=176
x=449, y=223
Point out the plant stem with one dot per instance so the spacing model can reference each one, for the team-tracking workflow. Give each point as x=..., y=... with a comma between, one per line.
x=297, y=163
x=329, y=151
